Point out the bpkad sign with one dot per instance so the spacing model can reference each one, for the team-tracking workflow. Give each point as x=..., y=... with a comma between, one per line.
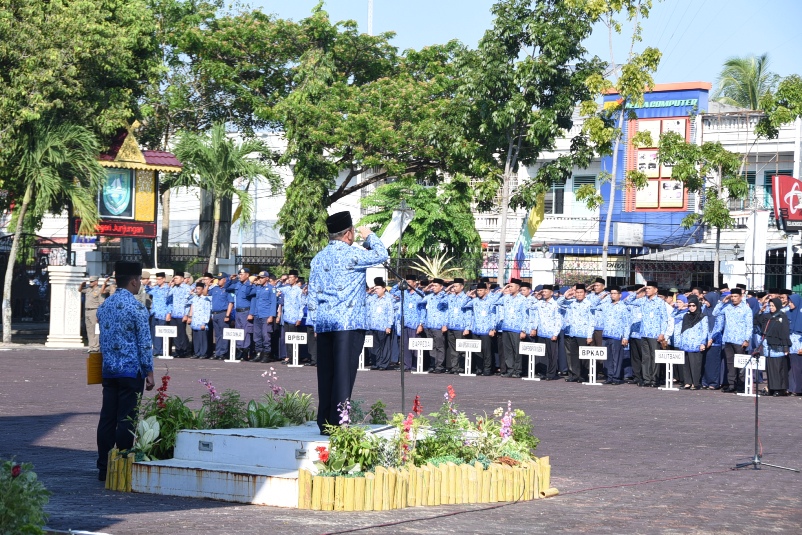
x=787, y=192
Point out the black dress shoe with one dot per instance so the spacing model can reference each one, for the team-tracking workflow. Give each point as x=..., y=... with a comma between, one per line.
x=101, y=475
x=515, y=375
x=572, y=380
x=486, y=374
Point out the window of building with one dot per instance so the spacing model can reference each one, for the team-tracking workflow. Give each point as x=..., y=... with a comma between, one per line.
x=579, y=208
x=555, y=199
x=766, y=200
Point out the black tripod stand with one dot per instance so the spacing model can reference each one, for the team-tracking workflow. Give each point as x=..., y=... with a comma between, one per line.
x=757, y=461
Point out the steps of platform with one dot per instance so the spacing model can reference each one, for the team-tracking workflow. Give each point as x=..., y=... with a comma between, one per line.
x=217, y=481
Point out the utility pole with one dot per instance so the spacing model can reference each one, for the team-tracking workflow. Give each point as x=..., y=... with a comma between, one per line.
x=370, y=17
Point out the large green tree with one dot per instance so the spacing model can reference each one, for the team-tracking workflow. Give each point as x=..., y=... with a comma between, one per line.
x=745, y=82
x=52, y=163
x=215, y=162
x=522, y=85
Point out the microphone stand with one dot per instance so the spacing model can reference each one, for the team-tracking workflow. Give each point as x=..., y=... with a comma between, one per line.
x=757, y=461
x=403, y=286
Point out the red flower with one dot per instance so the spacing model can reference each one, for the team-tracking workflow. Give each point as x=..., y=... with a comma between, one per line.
x=451, y=393
x=16, y=470
x=417, y=408
x=322, y=454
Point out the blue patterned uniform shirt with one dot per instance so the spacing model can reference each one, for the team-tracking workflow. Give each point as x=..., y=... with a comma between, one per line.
x=293, y=304
x=615, y=319
x=413, y=310
x=579, y=319
x=485, y=316
x=654, y=315
x=532, y=314
x=125, y=336
x=179, y=296
x=159, y=294
x=690, y=340
x=737, y=322
x=551, y=319
x=436, y=310
x=381, y=312
x=598, y=304
x=201, y=311
x=337, y=284
x=459, y=318
x=514, y=317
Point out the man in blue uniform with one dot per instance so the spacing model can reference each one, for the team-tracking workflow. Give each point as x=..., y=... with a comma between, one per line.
x=436, y=323
x=127, y=362
x=263, y=310
x=159, y=293
x=380, y=319
x=337, y=297
x=178, y=296
x=220, y=317
x=243, y=292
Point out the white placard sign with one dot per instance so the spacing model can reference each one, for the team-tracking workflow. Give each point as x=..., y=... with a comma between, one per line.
x=474, y=346
x=742, y=360
x=592, y=353
x=167, y=330
x=367, y=345
x=368, y=341
x=530, y=348
x=233, y=334
x=295, y=339
x=421, y=344
x=97, y=328
x=662, y=356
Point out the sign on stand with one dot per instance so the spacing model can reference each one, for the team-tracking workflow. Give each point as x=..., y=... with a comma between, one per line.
x=420, y=345
x=533, y=350
x=295, y=339
x=751, y=366
x=469, y=347
x=592, y=354
x=233, y=335
x=165, y=332
x=97, y=328
x=669, y=358
x=363, y=356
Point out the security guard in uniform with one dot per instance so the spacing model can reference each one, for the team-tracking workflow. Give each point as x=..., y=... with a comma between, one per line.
x=94, y=297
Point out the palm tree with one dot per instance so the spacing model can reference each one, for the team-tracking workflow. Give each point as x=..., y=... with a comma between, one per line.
x=745, y=81
x=53, y=164
x=214, y=162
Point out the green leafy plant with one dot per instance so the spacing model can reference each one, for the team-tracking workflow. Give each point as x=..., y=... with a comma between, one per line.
x=146, y=437
x=378, y=415
x=22, y=499
x=296, y=407
x=265, y=415
x=434, y=267
x=448, y=428
x=173, y=415
x=222, y=411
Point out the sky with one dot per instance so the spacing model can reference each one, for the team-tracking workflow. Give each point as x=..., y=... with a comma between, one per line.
x=695, y=36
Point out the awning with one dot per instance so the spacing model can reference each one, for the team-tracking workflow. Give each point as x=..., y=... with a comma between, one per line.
x=698, y=252
x=595, y=250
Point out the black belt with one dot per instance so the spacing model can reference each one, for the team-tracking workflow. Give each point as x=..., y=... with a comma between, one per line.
x=217, y=311
x=243, y=309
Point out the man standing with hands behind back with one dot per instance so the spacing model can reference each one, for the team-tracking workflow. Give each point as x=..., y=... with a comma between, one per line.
x=337, y=301
x=127, y=362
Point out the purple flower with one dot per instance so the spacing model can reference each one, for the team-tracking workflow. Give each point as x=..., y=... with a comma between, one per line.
x=506, y=423
x=344, y=409
x=213, y=395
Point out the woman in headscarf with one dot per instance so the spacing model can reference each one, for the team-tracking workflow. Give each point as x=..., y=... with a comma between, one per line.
x=776, y=335
x=795, y=354
x=712, y=358
x=693, y=340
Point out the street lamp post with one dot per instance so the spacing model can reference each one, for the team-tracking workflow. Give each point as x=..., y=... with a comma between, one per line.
x=401, y=214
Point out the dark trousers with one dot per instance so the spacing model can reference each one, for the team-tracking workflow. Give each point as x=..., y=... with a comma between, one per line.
x=242, y=322
x=510, y=343
x=635, y=359
x=649, y=370
x=615, y=359
x=453, y=354
x=157, y=342
x=200, y=343
x=438, y=351
x=547, y=364
x=180, y=342
x=577, y=369
x=311, y=344
x=117, y=416
x=562, y=358
x=734, y=377
x=381, y=351
x=692, y=369
x=486, y=365
x=337, y=362
x=262, y=335
x=409, y=355
x=220, y=345
x=712, y=367
x=395, y=350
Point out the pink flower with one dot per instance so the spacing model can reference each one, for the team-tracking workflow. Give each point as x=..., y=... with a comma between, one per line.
x=417, y=408
x=213, y=395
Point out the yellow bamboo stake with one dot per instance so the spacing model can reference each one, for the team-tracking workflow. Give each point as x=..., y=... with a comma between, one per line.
x=304, y=489
x=317, y=493
x=327, y=499
x=516, y=484
x=359, y=494
x=421, y=488
x=494, y=484
x=431, y=484
x=388, y=490
x=462, y=483
x=129, y=468
x=486, y=486
x=378, y=488
x=452, y=483
x=402, y=493
x=472, y=483
x=412, y=485
x=348, y=495
x=509, y=484
x=370, y=489
x=437, y=482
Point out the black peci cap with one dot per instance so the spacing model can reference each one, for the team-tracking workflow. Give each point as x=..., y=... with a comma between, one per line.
x=339, y=222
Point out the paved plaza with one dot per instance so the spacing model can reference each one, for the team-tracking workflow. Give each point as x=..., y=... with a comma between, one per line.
x=625, y=459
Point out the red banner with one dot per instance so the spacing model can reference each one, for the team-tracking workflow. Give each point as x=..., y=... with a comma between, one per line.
x=123, y=229
x=787, y=192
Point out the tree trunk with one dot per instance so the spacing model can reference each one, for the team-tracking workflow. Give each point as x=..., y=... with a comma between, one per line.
x=12, y=259
x=147, y=261
x=165, y=247
x=609, y=219
x=212, y=267
x=716, y=258
x=502, y=242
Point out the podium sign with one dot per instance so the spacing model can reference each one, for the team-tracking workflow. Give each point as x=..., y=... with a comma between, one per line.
x=669, y=358
x=165, y=332
x=593, y=354
x=470, y=347
x=368, y=344
x=533, y=350
x=420, y=345
x=232, y=335
x=750, y=365
x=295, y=339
